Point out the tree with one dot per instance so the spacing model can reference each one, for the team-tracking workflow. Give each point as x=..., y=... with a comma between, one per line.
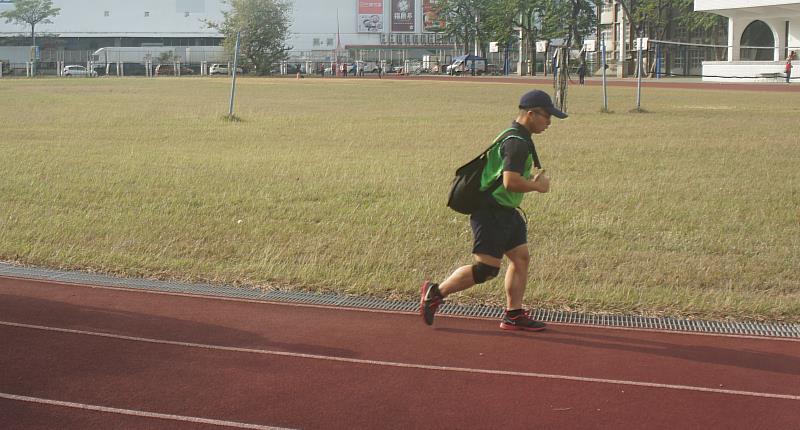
x=166, y=57
x=570, y=20
x=581, y=20
x=506, y=16
x=264, y=27
x=657, y=19
x=463, y=19
x=708, y=23
x=31, y=12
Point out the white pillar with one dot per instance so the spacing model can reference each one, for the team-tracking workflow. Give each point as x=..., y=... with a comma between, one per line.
x=780, y=41
x=521, y=59
x=621, y=47
x=733, y=41
x=477, y=20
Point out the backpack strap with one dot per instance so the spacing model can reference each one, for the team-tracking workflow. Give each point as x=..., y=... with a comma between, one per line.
x=534, y=155
x=499, y=140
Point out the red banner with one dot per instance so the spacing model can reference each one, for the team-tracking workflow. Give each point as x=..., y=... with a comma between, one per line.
x=403, y=15
x=370, y=6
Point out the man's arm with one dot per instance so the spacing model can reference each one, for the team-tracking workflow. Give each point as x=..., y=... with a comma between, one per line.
x=513, y=181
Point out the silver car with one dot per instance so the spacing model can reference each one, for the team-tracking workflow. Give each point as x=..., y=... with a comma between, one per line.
x=76, y=70
x=222, y=69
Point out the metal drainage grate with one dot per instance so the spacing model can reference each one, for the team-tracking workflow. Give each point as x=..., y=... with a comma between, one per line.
x=700, y=326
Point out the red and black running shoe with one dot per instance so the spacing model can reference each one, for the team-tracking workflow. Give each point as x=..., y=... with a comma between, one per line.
x=521, y=321
x=430, y=299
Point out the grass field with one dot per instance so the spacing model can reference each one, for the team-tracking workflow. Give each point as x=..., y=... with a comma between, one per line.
x=691, y=209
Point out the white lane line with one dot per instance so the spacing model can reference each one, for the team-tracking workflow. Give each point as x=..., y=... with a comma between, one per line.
x=408, y=365
x=391, y=312
x=136, y=413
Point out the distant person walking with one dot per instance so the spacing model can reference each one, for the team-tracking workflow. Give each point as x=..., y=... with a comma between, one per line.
x=788, y=69
x=582, y=73
x=498, y=228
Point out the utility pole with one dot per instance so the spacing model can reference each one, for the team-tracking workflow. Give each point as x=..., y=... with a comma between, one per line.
x=233, y=80
x=521, y=59
x=477, y=20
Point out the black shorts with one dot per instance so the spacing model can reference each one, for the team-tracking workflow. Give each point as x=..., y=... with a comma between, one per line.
x=497, y=231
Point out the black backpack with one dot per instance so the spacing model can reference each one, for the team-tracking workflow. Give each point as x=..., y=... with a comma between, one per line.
x=466, y=196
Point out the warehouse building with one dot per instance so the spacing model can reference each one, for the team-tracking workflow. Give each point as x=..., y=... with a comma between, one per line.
x=321, y=29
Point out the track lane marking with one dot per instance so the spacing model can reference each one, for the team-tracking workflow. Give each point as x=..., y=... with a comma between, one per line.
x=67, y=283
x=136, y=413
x=466, y=370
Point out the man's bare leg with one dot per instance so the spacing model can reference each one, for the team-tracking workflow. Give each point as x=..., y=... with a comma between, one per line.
x=462, y=279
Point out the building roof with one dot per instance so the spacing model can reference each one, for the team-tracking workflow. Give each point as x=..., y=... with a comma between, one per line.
x=124, y=18
x=752, y=8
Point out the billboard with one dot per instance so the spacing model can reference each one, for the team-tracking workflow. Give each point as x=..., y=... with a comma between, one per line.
x=430, y=17
x=370, y=16
x=403, y=15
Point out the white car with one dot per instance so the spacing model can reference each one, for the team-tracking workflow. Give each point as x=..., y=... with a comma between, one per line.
x=222, y=69
x=76, y=70
x=366, y=67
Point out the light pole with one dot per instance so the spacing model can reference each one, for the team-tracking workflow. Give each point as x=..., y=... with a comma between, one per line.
x=233, y=81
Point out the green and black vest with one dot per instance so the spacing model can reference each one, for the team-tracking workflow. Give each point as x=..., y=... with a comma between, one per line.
x=494, y=169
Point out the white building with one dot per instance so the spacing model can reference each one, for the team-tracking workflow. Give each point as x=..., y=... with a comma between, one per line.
x=385, y=28
x=761, y=34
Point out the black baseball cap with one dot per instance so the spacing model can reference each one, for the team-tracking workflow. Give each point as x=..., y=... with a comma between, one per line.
x=540, y=99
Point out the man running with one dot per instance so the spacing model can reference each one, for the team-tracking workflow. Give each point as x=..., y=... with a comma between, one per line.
x=498, y=228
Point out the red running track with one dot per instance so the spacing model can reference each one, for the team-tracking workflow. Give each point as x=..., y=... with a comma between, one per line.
x=78, y=357
x=679, y=83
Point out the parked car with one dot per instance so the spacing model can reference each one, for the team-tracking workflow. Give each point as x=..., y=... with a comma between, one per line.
x=221, y=69
x=365, y=66
x=76, y=70
x=169, y=69
x=467, y=64
x=291, y=69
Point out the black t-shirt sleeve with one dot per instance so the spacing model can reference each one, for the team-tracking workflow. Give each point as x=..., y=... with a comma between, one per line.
x=515, y=153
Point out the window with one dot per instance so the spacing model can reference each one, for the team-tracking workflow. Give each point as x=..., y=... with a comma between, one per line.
x=695, y=59
x=607, y=37
x=681, y=33
x=757, y=42
x=678, y=61
x=186, y=14
x=329, y=41
x=146, y=14
x=107, y=13
x=317, y=41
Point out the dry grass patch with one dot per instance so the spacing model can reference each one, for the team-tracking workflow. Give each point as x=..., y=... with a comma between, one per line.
x=334, y=185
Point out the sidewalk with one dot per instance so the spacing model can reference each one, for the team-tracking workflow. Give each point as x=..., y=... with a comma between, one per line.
x=671, y=82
